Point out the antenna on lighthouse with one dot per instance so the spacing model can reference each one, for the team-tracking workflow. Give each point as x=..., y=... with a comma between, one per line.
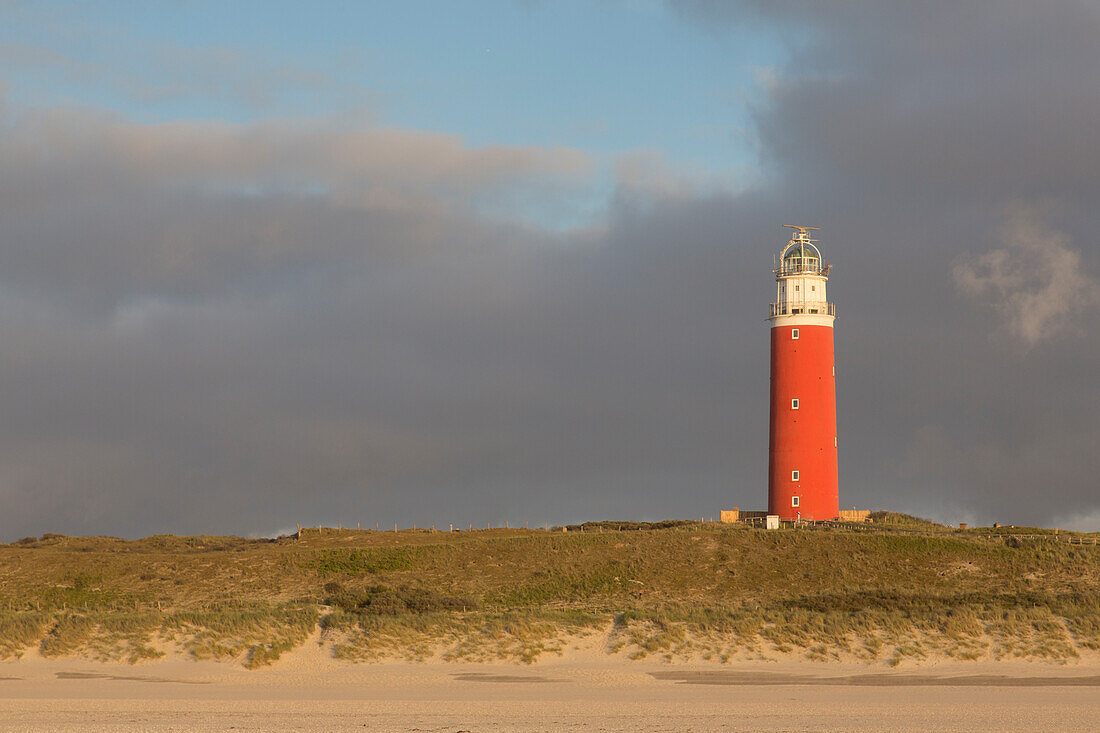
x=803, y=233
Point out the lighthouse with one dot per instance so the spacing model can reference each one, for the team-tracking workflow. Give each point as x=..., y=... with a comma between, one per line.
x=802, y=466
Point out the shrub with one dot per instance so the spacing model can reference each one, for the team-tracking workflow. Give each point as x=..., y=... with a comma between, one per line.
x=357, y=562
x=384, y=601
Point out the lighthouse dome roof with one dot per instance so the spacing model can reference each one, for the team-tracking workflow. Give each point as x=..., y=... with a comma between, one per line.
x=799, y=251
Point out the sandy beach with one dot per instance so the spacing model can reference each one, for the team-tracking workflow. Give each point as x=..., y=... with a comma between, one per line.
x=307, y=691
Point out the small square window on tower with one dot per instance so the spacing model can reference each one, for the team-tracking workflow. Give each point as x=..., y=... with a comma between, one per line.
x=794, y=475
x=794, y=333
x=796, y=288
x=794, y=404
x=794, y=501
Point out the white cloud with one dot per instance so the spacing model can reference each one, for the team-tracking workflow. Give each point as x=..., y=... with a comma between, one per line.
x=1036, y=281
x=649, y=175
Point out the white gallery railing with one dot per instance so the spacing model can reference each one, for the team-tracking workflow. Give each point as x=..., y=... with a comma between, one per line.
x=792, y=308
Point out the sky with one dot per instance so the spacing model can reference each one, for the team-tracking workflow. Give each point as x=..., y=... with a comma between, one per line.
x=268, y=264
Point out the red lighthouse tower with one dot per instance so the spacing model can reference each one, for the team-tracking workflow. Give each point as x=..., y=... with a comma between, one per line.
x=802, y=471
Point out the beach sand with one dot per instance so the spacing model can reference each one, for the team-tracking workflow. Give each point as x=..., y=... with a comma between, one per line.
x=308, y=690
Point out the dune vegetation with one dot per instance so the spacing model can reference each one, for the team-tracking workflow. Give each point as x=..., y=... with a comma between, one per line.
x=898, y=588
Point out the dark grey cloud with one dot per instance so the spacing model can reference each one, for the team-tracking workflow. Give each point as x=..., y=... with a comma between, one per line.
x=233, y=328
x=949, y=151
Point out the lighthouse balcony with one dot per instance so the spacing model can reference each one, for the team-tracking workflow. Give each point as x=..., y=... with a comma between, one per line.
x=796, y=267
x=802, y=309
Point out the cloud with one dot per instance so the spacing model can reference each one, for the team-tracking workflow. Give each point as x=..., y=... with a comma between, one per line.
x=103, y=59
x=1086, y=522
x=904, y=132
x=950, y=101
x=645, y=175
x=228, y=328
x=282, y=155
x=222, y=325
x=183, y=209
x=1036, y=281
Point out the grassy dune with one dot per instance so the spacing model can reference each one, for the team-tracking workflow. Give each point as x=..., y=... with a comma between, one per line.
x=900, y=588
